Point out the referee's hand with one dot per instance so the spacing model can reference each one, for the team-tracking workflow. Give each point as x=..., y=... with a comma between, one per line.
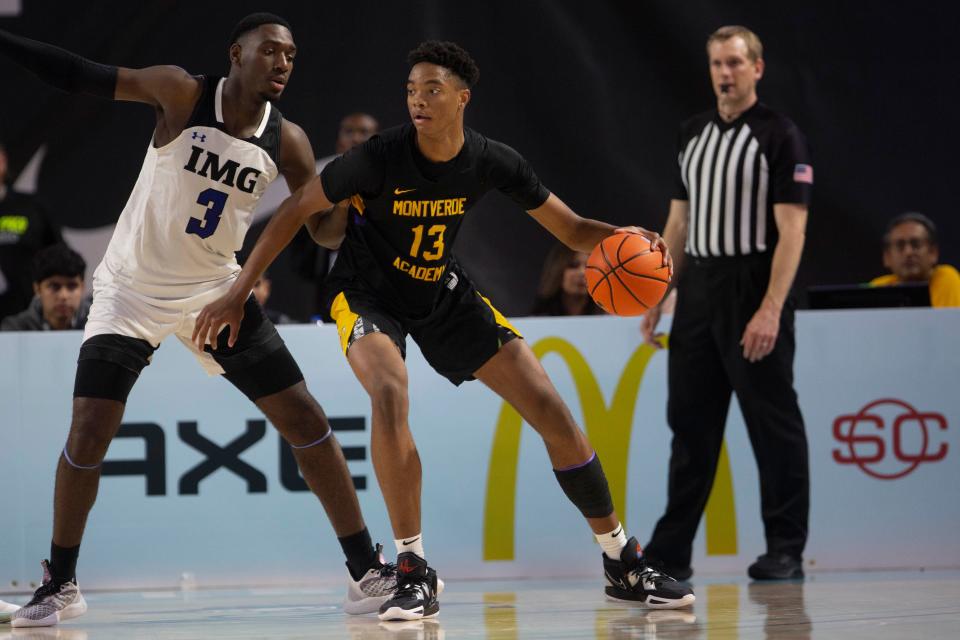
x=224, y=311
x=760, y=337
x=648, y=327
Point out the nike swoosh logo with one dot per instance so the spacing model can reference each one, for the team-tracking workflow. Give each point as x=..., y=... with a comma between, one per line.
x=399, y=191
x=616, y=533
x=411, y=541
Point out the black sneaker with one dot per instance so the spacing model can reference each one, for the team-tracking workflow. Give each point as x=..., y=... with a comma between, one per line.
x=630, y=579
x=416, y=595
x=677, y=572
x=776, y=566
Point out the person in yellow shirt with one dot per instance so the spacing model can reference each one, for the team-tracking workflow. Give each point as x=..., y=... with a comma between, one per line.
x=911, y=252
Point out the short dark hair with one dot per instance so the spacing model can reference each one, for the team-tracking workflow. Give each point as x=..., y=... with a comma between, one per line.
x=752, y=40
x=254, y=20
x=58, y=260
x=448, y=55
x=912, y=216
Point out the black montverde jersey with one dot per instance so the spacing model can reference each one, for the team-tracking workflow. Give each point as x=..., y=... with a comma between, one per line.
x=403, y=223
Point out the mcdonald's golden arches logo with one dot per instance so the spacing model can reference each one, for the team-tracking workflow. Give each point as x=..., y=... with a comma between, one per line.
x=609, y=428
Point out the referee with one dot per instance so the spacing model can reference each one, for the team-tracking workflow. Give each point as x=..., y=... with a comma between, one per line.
x=739, y=211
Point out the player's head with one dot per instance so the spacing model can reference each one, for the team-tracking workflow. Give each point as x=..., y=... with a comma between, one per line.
x=355, y=129
x=910, y=248
x=736, y=63
x=58, y=281
x=261, y=54
x=438, y=86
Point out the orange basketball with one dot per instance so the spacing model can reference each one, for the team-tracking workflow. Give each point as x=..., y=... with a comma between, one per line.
x=624, y=276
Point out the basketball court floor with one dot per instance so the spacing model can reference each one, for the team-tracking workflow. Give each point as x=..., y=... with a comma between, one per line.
x=871, y=606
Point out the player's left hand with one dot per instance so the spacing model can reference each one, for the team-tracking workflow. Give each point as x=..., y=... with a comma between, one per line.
x=760, y=336
x=224, y=311
x=656, y=243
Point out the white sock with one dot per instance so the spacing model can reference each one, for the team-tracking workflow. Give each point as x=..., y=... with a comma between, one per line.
x=413, y=543
x=613, y=542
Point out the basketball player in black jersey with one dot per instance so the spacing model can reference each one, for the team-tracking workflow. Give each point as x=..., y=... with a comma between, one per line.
x=409, y=188
x=195, y=116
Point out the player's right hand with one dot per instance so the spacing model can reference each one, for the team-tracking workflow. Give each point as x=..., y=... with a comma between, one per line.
x=648, y=326
x=224, y=311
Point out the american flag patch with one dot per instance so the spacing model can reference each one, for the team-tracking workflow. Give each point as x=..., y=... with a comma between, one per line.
x=803, y=173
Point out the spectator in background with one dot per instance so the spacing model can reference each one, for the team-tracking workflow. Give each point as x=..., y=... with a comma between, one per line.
x=304, y=257
x=25, y=228
x=736, y=229
x=58, y=274
x=355, y=129
x=563, y=285
x=911, y=252
x=261, y=291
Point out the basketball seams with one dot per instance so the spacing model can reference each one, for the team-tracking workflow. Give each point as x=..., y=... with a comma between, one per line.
x=606, y=261
x=606, y=258
x=623, y=241
x=645, y=277
x=626, y=236
x=623, y=265
x=626, y=288
x=602, y=280
x=613, y=271
x=603, y=277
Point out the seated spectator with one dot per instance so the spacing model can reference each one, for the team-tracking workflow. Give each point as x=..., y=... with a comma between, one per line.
x=58, y=303
x=563, y=285
x=25, y=229
x=261, y=291
x=911, y=252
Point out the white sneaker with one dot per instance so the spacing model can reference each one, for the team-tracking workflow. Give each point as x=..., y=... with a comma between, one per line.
x=372, y=589
x=50, y=604
x=6, y=611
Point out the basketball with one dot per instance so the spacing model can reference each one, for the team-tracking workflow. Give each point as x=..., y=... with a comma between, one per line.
x=624, y=276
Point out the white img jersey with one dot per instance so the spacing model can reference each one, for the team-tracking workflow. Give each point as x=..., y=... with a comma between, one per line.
x=191, y=207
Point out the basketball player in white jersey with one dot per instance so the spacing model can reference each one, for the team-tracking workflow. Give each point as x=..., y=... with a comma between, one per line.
x=218, y=143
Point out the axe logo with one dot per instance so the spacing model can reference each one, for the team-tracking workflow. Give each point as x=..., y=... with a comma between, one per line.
x=153, y=466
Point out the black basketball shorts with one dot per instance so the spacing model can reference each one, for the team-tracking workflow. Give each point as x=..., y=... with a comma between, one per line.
x=463, y=331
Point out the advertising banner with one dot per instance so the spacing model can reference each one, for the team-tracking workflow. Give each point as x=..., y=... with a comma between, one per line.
x=199, y=488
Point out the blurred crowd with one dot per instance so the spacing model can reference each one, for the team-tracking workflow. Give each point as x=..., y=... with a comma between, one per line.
x=42, y=279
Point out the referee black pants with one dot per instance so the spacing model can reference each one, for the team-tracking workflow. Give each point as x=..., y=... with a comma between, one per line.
x=716, y=299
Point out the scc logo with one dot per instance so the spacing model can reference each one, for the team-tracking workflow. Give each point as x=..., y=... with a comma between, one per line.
x=867, y=438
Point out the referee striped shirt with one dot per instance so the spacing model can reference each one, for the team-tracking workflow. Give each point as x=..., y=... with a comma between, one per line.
x=732, y=173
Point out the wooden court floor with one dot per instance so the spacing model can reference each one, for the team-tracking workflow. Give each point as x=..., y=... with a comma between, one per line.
x=868, y=606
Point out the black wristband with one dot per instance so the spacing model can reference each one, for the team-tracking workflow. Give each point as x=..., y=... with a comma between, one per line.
x=60, y=68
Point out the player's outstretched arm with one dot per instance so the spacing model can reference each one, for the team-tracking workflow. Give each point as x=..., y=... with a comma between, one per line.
x=162, y=87
x=228, y=309
x=583, y=234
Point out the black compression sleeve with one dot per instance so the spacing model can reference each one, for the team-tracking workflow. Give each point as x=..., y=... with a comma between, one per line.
x=59, y=67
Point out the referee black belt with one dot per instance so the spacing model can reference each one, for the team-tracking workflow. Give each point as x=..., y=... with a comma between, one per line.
x=724, y=262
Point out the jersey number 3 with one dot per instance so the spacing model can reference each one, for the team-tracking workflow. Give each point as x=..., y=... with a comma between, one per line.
x=214, y=201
